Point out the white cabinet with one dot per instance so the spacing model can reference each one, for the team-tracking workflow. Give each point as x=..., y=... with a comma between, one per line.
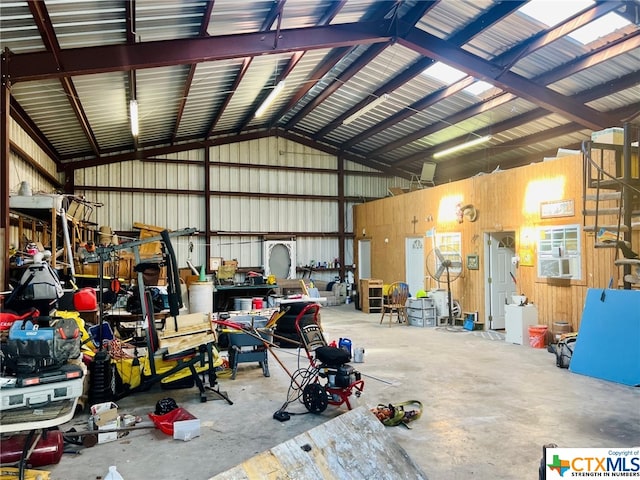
x=517, y=320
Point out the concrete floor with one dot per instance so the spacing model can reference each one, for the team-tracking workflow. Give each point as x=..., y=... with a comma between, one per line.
x=489, y=408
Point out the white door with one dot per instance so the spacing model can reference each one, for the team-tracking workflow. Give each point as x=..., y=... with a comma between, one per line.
x=500, y=283
x=364, y=259
x=414, y=264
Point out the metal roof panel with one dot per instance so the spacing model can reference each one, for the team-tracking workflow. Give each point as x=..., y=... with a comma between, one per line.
x=159, y=91
x=87, y=23
x=108, y=113
x=361, y=86
x=47, y=105
x=233, y=17
x=19, y=31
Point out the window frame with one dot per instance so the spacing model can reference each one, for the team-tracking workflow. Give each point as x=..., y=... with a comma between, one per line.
x=449, y=243
x=559, y=252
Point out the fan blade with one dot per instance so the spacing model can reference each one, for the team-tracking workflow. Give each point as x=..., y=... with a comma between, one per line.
x=439, y=255
x=455, y=265
x=439, y=272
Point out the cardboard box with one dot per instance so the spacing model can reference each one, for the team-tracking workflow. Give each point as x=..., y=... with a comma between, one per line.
x=103, y=413
x=613, y=136
x=104, y=416
x=109, y=436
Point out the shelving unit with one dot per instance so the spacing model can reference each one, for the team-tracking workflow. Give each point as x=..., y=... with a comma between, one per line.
x=421, y=312
x=371, y=295
x=52, y=218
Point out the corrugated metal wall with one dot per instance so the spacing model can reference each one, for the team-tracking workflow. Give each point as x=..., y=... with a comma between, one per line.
x=269, y=187
x=21, y=170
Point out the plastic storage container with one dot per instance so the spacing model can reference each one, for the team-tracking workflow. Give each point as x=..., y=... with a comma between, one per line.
x=345, y=344
x=186, y=429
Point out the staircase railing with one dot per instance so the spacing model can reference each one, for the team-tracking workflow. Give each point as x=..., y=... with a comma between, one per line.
x=616, y=185
x=623, y=187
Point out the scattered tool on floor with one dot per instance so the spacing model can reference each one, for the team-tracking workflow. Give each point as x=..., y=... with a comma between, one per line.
x=89, y=438
x=392, y=415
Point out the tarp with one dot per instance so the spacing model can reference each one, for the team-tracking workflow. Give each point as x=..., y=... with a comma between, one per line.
x=608, y=344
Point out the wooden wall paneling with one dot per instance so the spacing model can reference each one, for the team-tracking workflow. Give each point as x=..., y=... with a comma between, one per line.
x=505, y=200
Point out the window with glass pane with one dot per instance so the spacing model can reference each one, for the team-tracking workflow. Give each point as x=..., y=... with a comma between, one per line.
x=450, y=245
x=559, y=252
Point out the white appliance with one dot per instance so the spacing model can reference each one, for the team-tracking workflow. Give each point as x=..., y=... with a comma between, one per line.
x=517, y=320
x=441, y=301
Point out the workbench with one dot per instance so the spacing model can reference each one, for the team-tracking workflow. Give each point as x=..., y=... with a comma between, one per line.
x=223, y=294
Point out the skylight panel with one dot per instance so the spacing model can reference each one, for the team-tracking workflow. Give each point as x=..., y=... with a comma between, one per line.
x=444, y=73
x=478, y=88
x=601, y=27
x=552, y=12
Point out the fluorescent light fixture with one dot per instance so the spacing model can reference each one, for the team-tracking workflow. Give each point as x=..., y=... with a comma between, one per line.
x=462, y=146
x=270, y=98
x=367, y=108
x=133, y=115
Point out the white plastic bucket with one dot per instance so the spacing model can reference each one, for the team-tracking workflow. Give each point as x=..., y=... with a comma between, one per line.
x=201, y=297
x=358, y=355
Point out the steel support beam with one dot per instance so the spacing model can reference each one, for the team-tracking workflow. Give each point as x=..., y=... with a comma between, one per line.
x=242, y=71
x=549, y=36
x=492, y=16
x=47, y=33
x=204, y=26
x=5, y=105
x=113, y=58
x=587, y=96
x=461, y=160
x=348, y=74
x=432, y=46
